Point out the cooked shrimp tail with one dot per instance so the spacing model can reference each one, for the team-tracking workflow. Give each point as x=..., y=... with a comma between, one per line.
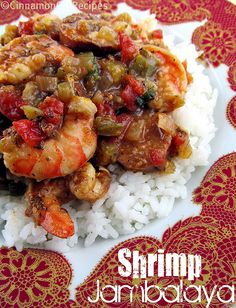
x=44, y=205
x=172, y=80
x=45, y=199
x=87, y=184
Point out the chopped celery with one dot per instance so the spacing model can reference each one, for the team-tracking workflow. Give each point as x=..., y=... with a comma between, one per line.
x=108, y=34
x=82, y=105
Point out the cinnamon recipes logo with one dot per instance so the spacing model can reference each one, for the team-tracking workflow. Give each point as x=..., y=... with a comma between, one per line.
x=21, y=6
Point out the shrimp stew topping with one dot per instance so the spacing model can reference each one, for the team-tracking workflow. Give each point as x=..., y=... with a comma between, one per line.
x=79, y=94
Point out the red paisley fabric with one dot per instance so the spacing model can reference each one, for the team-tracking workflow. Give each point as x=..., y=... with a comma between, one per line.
x=231, y=112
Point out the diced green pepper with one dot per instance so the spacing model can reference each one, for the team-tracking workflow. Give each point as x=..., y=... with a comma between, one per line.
x=138, y=64
x=145, y=64
x=116, y=69
x=152, y=62
x=149, y=95
x=106, y=126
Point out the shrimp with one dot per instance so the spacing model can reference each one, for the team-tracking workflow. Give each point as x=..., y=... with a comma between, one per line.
x=44, y=199
x=172, y=80
x=85, y=184
x=74, y=144
x=23, y=57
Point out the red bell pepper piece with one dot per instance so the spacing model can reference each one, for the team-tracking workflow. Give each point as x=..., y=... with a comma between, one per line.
x=157, y=34
x=129, y=97
x=158, y=157
x=53, y=110
x=29, y=131
x=128, y=48
x=10, y=103
x=180, y=138
x=26, y=27
x=135, y=84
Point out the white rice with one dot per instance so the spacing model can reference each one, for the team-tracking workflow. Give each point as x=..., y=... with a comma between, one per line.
x=134, y=199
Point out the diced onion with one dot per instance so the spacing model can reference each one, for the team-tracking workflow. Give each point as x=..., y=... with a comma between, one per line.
x=166, y=122
x=185, y=151
x=135, y=131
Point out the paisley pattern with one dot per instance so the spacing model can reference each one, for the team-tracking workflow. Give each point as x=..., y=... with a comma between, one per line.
x=216, y=43
x=231, y=112
x=232, y=76
x=32, y=277
x=40, y=278
x=177, y=11
x=218, y=190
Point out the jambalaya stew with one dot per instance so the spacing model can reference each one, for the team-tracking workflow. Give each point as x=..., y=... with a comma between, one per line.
x=77, y=95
